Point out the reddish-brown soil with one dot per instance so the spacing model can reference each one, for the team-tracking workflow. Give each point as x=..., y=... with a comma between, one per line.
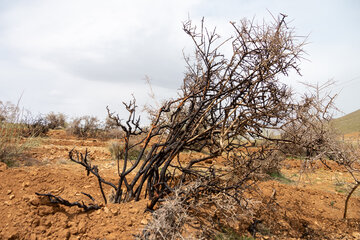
x=308, y=205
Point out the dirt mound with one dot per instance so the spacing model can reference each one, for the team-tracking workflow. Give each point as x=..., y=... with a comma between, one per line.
x=26, y=216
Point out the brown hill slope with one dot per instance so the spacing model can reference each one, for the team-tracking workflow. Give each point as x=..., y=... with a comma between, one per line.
x=349, y=123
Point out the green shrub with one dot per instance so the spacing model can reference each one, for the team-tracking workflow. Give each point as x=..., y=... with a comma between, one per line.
x=116, y=150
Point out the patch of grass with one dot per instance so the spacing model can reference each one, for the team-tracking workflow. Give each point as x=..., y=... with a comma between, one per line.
x=229, y=233
x=116, y=150
x=340, y=187
x=13, y=146
x=281, y=178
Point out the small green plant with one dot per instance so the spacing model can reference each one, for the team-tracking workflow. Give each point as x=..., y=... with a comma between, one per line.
x=340, y=186
x=229, y=233
x=116, y=150
x=281, y=178
x=340, y=189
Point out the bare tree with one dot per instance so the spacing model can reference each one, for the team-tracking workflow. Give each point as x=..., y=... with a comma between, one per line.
x=225, y=105
x=309, y=133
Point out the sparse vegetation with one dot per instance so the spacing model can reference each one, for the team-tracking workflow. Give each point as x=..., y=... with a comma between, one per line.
x=223, y=99
x=12, y=144
x=227, y=105
x=116, y=150
x=56, y=120
x=86, y=126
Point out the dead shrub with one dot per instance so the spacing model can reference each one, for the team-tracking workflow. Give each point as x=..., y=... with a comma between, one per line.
x=223, y=98
x=85, y=127
x=12, y=144
x=56, y=120
x=34, y=126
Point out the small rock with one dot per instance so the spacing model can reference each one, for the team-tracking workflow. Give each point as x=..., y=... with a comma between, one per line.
x=144, y=221
x=34, y=200
x=9, y=192
x=12, y=196
x=35, y=222
x=356, y=235
x=25, y=184
x=106, y=210
x=132, y=210
x=7, y=203
x=3, y=167
x=26, y=198
x=65, y=234
x=82, y=227
x=33, y=236
x=114, y=211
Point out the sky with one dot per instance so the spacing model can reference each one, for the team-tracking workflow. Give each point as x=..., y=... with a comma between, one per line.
x=79, y=56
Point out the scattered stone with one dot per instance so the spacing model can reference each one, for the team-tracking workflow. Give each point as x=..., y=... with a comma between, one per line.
x=25, y=184
x=114, y=211
x=12, y=196
x=26, y=198
x=65, y=234
x=106, y=210
x=9, y=192
x=7, y=203
x=35, y=222
x=82, y=227
x=356, y=235
x=132, y=210
x=34, y=200
x=33, y=236
x=3, y=167
x=144, y=221
x=129, y=223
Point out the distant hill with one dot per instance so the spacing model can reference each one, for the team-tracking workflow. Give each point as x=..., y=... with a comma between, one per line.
x=349, y=123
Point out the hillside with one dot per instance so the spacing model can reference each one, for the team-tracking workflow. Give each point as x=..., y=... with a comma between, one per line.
x=349, y=123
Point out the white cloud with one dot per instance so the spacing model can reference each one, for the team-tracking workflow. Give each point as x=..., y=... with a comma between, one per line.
x=78, y=56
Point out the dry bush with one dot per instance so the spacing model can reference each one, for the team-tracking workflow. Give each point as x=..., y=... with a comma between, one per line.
x=12, y=145
x=9, y=112
x=56, y=120
x=309, y=134
x=223, y=98
x=116, y=150
x=85, y=126
x=34, y=126
x=111, y=130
